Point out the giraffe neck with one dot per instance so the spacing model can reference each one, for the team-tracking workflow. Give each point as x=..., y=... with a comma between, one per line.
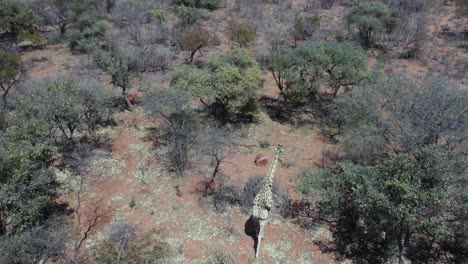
x=271, y=172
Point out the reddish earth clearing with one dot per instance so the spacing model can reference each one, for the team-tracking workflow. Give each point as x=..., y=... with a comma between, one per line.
x=133, y=170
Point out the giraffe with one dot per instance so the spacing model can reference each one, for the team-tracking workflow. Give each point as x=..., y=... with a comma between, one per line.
x=263, y=201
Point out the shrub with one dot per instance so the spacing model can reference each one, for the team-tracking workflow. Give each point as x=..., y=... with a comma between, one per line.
x=240, y=33
x=208, y=4
x=86, y=33
x=187, y=16
x=123, y=245
x=10, y=66
x=19, y=21
x=182, y=123
x=370, y=19
x=195, y=39
x=305, y=26
x=221, y=258
x=157, y=15
x=67, y=106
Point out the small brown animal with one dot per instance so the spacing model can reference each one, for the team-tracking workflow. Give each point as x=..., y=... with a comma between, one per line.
x=261, y=160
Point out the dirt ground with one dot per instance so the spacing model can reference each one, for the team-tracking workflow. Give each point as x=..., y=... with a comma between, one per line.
x=131, y=170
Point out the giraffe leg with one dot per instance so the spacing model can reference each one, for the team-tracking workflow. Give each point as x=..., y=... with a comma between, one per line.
x=260, y=236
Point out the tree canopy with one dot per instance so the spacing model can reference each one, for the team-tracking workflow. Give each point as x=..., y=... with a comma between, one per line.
x=393, y=209
x=370, y=19
x=18, y=20
x=298, y=72
x=230, y=85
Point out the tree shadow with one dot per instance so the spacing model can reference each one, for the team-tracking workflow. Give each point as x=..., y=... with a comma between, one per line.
x=313, y=112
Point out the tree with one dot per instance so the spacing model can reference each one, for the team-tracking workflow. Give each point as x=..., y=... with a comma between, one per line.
x=66, y=106
x=216, y=143
x=118, y=64
x=40, y=243
x=380, y=212
x=402, y=115
x=27, y=190
x=63, y=14
x=19, y=21
x=304, y=27
x=187, y=17
x=370, y=19
x=123, y=245
x=196, y=39
x=230, y=86
x=240, y=33
x=299, y=71
x=109, y=5
x=182, y=123
x=207, y=4
x=86, y=33
x=10, y=69
x=327, y=4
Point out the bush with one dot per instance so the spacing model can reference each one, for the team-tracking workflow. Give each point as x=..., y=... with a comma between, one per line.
x=10, y=66
x=221, y=258
x=157, y=15
x=370, y=19
x=86, y=33
x=195, y=39
x=19, y=21
x=187, y=16
x=67, y=106
x=182, y=124
x=305, y=26
x=207, y=4
x=123, y=245
x=240, y=33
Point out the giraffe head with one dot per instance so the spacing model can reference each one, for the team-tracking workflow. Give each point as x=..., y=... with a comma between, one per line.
x=280, y=150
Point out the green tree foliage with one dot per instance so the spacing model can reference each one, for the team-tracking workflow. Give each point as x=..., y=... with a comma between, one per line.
x=18, y=20
x=10, y=66
x=402, y=205
x=299, y=71
x=370, y=19
x=207, y=4
x=230, y=85
x=86, y=32
x=398, y=115
x=240, y=33
x=27, y=187
x=157, y=15
x=187, y=17
x=120, y=64
x=31, y=226
x=66, y=107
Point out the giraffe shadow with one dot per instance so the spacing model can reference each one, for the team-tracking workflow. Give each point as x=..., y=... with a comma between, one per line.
x=252, y=228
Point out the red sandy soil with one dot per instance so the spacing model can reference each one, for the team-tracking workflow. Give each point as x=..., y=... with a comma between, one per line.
x=189, y=224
